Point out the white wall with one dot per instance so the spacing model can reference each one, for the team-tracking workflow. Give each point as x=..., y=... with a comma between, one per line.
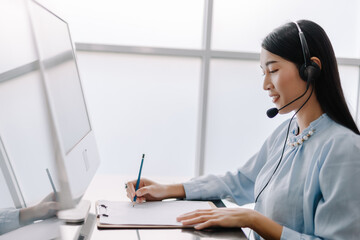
x=237, y=121
x=156, y=23
x=241, y=25
x=142, y=104
x=237, y=25
x=349, y=76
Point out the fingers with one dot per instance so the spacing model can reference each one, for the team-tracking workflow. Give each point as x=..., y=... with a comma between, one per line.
x=204, y=221
x=196, y=220
x=140, y=194
x=140, y=200
x=194, y=214
x=207, y=224
x=130, y=189
x=148, y=191
x=143, y=191
x=201, y=218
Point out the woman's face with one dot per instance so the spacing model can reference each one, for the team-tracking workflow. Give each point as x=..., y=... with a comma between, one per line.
x=282, y=81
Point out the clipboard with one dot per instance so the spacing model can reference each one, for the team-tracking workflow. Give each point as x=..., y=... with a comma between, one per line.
x=106, y=210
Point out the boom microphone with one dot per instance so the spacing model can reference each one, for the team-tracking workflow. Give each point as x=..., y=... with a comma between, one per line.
x=272, y=112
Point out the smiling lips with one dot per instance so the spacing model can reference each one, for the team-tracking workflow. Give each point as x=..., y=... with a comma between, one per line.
x=274, y=97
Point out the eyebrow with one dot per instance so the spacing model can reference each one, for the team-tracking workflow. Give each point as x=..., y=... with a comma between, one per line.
x=269, y=62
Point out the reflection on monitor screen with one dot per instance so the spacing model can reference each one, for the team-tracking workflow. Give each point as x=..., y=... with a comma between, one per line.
x=74, y=136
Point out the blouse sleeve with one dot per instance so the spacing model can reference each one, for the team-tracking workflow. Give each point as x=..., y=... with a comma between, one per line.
x=238, y=186
x=9, y=220
x=337, y=214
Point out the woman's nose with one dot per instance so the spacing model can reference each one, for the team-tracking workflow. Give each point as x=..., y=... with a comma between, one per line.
x=267, y=85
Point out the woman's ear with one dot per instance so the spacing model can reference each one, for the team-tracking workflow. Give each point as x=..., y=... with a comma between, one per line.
x=316, y=60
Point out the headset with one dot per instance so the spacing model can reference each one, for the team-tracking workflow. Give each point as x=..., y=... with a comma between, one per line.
x=309, y=72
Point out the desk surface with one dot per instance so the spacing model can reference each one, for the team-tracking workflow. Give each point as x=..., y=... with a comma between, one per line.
x=111, y=187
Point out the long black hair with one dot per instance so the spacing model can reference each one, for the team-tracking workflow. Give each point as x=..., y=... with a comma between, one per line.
x=285, y=42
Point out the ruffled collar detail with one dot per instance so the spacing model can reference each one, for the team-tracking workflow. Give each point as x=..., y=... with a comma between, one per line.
x=296, y=139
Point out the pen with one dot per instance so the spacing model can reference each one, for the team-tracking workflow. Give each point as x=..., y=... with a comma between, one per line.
x=138, y=180
x=52, y=183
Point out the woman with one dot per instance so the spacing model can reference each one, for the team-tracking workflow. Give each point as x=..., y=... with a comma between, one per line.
x=304, y=180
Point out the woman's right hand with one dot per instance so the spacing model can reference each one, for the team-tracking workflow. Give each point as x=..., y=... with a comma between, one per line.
x=152, y=191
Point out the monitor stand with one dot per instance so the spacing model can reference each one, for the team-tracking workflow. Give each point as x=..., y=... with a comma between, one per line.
x=77, y=214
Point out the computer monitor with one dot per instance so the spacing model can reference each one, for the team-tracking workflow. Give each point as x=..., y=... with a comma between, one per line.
x=76, y=150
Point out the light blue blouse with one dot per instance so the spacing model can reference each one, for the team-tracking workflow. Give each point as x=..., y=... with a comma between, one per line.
x=9, y=220
x=315, y=192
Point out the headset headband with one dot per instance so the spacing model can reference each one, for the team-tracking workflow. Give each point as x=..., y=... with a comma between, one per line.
x=304, y=46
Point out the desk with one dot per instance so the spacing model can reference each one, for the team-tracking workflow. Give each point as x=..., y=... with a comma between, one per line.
x=111, y=187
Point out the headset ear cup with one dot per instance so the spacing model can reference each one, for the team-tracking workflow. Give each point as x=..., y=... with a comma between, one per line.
x=302, y=73
x=310, y=73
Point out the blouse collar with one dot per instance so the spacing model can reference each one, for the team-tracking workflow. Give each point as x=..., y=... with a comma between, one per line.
x=314, y=127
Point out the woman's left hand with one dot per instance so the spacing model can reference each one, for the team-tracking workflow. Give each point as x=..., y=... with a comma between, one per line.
x=218, y=217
